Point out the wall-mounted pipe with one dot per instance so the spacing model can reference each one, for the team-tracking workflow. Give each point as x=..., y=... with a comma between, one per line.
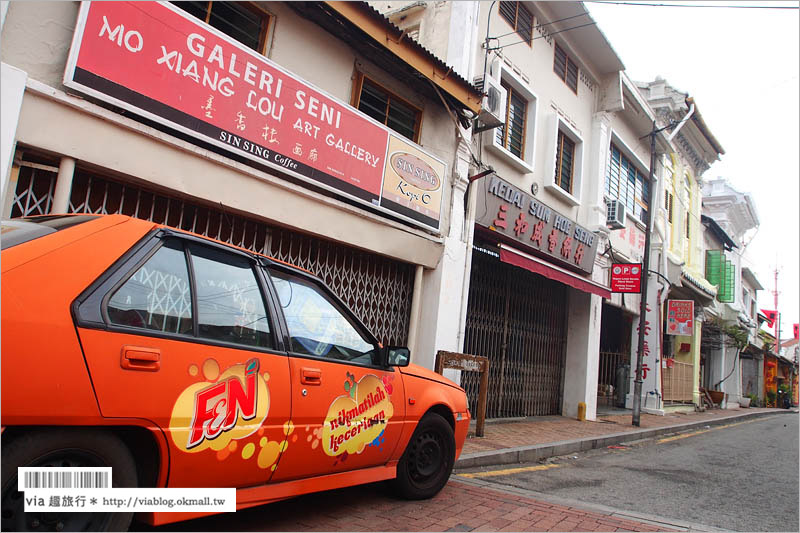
x=682, y=122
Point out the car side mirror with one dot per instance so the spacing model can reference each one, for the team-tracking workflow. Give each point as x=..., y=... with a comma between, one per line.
x=395, y=355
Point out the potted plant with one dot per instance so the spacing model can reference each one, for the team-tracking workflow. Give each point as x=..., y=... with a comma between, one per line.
x=754, y=401
x=771, y=397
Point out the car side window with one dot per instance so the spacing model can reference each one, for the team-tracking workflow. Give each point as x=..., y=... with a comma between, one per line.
x=316, y=326
x=157, y=296
x=230, y=305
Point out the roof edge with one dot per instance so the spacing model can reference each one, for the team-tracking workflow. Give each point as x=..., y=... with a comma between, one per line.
x=377, y=26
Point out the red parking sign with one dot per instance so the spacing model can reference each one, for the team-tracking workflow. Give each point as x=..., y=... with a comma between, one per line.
x=626, y=277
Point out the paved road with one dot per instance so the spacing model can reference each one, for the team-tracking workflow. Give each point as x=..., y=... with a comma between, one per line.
x=739, y=477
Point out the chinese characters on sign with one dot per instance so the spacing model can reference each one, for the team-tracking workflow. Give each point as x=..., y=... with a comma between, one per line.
x=626, y=277
x=680, y=317
x=536, y=226
x=159, y=62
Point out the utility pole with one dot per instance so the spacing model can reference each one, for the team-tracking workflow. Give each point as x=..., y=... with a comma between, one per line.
x=637, y=382
x=775, y=293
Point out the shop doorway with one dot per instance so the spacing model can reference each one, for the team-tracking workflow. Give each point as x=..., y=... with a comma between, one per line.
x=519, y=321
x=613, y=376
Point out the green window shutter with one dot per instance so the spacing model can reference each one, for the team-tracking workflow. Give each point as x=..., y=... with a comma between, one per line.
x=714, y=267
x=727, y=292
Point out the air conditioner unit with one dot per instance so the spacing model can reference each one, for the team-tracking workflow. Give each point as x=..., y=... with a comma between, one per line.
x=615, y=214
x=493, y=107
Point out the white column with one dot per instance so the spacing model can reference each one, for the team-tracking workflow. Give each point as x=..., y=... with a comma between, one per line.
x=445, y=289
x=583, y=354
x=597, y=159
x=413, y=323
x=66, y=171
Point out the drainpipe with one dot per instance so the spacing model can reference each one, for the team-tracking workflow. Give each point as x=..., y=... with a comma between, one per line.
x=682, y=122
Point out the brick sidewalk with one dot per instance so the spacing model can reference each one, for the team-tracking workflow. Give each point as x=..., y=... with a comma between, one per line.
x=458, y=507
x=547, y=429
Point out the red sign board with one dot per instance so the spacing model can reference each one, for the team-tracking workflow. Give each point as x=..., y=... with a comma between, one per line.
x=626, y=277
x=159, y=62
x=680, y=317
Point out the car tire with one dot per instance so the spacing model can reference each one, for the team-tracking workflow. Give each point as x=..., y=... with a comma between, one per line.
x=64, y=447
x=428, y=459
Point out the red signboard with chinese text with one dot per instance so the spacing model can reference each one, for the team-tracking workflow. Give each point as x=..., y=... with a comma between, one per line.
x=680, y=317
x=161, y=63
x=626, y=277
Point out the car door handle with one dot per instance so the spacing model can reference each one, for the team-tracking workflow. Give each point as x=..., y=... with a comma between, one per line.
x=310, y=376
x=140, y=358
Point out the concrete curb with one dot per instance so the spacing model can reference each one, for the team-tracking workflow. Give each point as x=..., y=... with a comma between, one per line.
x=536, y=452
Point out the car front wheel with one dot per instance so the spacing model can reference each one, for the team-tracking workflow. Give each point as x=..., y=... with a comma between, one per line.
x=428, y=459
x=62, y=448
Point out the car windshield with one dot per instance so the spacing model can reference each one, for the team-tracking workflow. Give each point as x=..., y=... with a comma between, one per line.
x=20, y=230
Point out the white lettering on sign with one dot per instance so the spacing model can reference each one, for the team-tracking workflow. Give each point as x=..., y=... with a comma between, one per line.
x=540, y=211
x=563, y=224
x=584, y=236
x=122, y=37
x=324, y=111
x=463, y=364
x=352, y=150
x=174, y=62
x=500, y=189
x=264, y=105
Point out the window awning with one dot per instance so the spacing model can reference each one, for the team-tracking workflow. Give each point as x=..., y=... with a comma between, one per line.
x=515, y=257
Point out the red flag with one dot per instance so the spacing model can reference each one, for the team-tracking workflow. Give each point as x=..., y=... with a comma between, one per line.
x=796, y=330
x=772, y=316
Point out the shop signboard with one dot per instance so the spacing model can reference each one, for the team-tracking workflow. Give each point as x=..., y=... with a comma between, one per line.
x=159, y=62
x=680, y=317
x=626, y=277
x=534, y=226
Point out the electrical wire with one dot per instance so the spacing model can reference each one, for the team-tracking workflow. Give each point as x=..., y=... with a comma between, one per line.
x=542, y=36
x=537, y=26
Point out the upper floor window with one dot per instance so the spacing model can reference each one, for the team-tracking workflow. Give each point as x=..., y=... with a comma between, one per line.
x=520, y=19
x=388, y=109
x=565, y=160
x=242, y=21
x=626, y=183
x=669, y=199
x=566, y=68
x=511, y=135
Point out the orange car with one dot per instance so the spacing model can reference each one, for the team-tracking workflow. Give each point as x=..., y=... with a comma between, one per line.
x=180, y=361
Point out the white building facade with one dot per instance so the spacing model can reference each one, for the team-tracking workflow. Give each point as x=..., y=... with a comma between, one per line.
x=735, y=213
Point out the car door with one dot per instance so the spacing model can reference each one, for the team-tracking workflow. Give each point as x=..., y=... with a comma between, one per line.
x=180, y=334
x=347, y=410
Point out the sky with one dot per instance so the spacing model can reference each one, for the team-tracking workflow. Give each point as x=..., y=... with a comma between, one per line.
x=741, y=67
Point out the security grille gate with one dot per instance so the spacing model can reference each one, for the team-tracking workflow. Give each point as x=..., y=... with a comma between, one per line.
x=377, y=289
x=518, y=320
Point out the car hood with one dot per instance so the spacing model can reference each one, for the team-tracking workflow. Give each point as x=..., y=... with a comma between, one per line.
x=424, y=373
